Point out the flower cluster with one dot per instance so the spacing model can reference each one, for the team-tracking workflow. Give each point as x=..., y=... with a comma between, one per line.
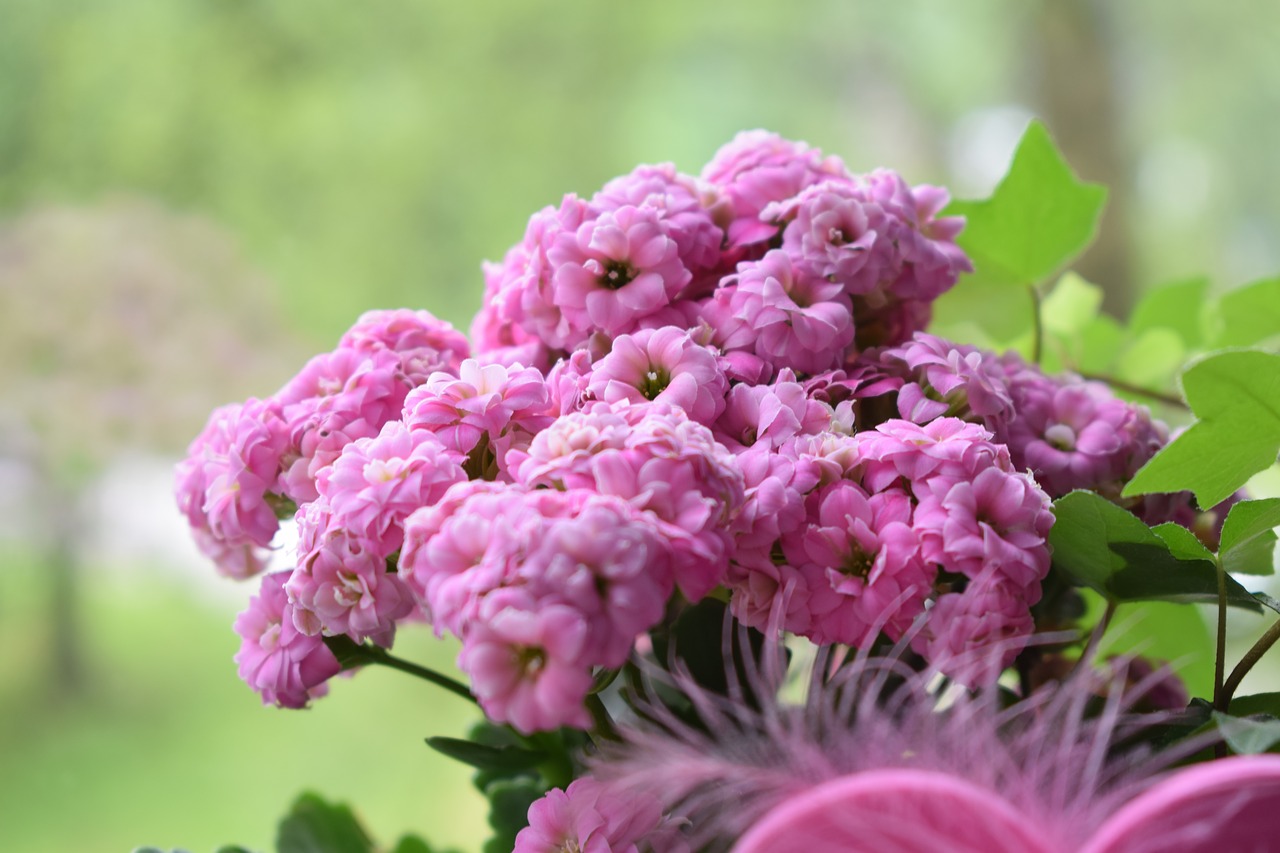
x=678, y=387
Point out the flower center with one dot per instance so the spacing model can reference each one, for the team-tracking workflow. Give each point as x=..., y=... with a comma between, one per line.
x=655, y=381
x=1061, y=436
x=858, y=564
x=617, y=274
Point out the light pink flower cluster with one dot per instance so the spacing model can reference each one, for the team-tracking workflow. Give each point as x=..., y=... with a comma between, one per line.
x=588, y=816
x=541, y=586
x=287, y=667
x=678, y=384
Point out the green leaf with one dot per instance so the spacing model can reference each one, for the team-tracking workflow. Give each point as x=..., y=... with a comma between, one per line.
x=1160, y=631
x=1248, y=537
x=1071, y=305
x=1258, y=703
x=1248, y=315
x=1109, y=550
x=509, y=802
x=1249, y=735
x=414, y=844
x=1177, y=306
x=1236, y=397
x=1038, y=219
x=1152, y=359
x=482, y=757
x=316, y=826
x=1267, y=601
x=1182, y=543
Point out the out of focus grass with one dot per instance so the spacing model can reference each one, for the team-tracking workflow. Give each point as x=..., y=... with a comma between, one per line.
x=165, y=746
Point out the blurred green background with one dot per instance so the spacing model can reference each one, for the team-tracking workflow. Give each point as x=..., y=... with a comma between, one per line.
x=196, y=195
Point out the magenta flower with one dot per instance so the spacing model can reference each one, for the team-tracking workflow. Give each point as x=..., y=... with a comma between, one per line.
x=614, y=270
x=499, y=404
x=376, y=483
x=784, y=313
x=527, y=667
x=945, y=447
x=662, y=365
x=943, y=379
x=828, y=230
x=337, y=398
x=590, y=818
x=860, y=560
x=228, y=485
x=769, y=415
x=424, y=342
x=287, y=667
x=974, y=635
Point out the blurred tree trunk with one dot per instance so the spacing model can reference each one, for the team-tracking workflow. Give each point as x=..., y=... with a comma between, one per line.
x=1077, y=93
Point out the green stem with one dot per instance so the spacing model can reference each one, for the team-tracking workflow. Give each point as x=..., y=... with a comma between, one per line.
x=1167, y=399
x=1251, y=657
x=351, y=654
x=1220, y=658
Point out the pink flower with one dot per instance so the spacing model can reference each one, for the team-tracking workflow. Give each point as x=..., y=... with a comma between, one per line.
x=784, y=313
x=337, y=398
x=341, y=584
x=995, y=522
x=861, y=563
x=757, y=168
x=830, y=232
x=590, y=818
x=944, y=379
x=424, y=342
x=654, y=456
x=497, y=404
x=288, y=668
x=527, y=667
x=663, y=365
x=376, y=483
x=769, y=415
x=945, y=447
x=614, y=270
x=228, y=485
x=974, y=635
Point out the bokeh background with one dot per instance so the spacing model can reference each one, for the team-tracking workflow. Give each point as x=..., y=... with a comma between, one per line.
x=196, y=195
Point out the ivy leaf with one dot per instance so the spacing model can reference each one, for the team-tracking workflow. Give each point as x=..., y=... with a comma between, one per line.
x=1249, y=735
x=505, y=759
x=509, y=802
x=1177, y=307
x=1248, y=537
x=1236, y=398
x=414, y=844
x=1109, y=550
x=1258, y=703
x=1038, y=219
x=1268, y=602
x=1182, y=543
x=316, y=826
x=1247, y=315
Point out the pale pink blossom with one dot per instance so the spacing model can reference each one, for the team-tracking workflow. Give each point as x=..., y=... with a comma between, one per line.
x=376, y=483
x=591, y=818
x=424, y=342
x=769, y=415
x=614, y=270
x=661, y=365
x=287, y=667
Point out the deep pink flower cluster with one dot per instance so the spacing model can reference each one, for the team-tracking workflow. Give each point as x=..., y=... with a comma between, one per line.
x=678, y=385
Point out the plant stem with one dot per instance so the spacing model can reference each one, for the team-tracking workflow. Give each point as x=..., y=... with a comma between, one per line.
x=1251, y=657
x=1150, y=394
x=1220, y=657
x=352, y=654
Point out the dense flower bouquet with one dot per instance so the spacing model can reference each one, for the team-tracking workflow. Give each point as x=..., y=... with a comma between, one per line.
x=739, y=554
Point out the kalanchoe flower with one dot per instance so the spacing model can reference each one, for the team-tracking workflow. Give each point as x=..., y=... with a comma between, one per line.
x=424, y=342
x=943, y=379
x=974, y=635
x=784, y=313
x=375, y=483
x=660, y=460
x=661, y=365
x=757, y=168
x=228, y=485
x=484, y=408
x=614, y=270
x=588, y=817
x=946, y=447
x=341, y=584
x=527, y=666
x=337, y=398
x=287, y=667
x=769, y=416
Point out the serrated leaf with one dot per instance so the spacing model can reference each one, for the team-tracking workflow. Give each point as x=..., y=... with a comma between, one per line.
x=1071, y=305
x=1249, y=735
x=1109, y=550
x=1177, y=306
x=483, y=757
x=316, y=826
x=1248, y=537
x=1248, y=315
x=1152, y=359
x=1236, y=398
x=1038, y=219
x=1182, y=543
